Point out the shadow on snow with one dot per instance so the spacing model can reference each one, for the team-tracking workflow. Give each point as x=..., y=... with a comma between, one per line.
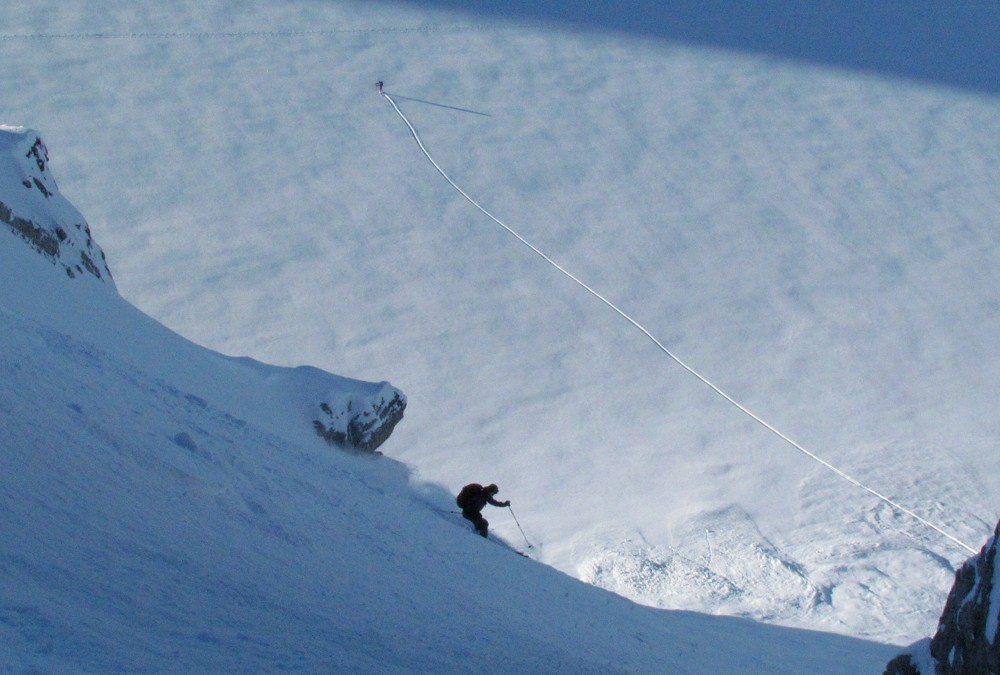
x=951, y=44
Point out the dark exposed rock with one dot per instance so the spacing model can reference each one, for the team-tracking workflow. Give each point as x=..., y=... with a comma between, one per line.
x=32, y=207
x=38, y=238
x=902, y=665
x=966, y=642
x=363, y=429
x=966, y=639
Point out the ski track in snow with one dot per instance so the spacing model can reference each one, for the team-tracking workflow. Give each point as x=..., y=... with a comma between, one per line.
x=674, y=357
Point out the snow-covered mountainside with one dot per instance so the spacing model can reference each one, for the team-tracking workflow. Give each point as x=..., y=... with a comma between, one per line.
x=816, y=235
x=347, y=413
x=169, y=509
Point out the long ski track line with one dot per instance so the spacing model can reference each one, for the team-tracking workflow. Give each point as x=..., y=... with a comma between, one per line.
x=663, y=348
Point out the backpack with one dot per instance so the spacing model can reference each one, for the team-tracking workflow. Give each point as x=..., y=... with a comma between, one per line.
x=467, y=493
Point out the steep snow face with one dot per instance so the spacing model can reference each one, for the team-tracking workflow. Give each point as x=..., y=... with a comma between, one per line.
x=820, y=242
x=167, y=508
x=33, y=208
x=149, y=526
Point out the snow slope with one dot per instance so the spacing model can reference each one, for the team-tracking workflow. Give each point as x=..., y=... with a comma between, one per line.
x=819, y=241
x=148, y=525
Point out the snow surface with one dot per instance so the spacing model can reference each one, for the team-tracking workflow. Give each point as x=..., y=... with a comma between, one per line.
x=149, y=526
x=818, y=239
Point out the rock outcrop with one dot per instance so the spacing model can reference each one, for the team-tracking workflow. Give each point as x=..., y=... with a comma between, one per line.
x=362, y=425
x=32, y=207
x=966, y=641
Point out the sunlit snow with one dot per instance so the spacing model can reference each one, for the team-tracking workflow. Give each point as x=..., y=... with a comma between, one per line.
x=816, y=239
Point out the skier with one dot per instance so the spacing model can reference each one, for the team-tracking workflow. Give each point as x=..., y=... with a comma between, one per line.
x=472, y=499
x=378, y=86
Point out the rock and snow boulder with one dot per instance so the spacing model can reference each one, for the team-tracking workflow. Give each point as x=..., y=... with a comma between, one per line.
x=32, y=207
x=966, y=641
x=361, y=423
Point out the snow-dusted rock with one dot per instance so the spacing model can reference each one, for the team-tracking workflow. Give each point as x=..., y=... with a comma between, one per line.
x=32, y=207
x=362, y=423
x=966, y=638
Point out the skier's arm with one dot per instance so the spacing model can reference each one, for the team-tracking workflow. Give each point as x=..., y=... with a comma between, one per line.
x=496, y=503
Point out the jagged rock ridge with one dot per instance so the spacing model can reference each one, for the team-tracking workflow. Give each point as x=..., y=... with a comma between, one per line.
x=966, y=640
x=32, y=207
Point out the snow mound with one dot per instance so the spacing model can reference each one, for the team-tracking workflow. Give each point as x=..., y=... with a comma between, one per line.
x=725, y=564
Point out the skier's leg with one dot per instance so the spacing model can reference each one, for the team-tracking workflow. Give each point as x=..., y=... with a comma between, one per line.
x=473, y=517
x=476, y=518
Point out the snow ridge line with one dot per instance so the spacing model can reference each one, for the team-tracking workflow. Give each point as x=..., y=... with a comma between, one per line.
x=666, y=351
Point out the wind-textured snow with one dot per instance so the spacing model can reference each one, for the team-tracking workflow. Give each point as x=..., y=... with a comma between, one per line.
x=817, y=238
x=149, y=528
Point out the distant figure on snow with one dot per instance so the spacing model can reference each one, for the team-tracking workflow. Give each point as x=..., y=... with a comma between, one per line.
x=472, y=499
x=378, y=86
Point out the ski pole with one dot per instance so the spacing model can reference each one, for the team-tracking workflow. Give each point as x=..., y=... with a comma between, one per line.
x=519, y=527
